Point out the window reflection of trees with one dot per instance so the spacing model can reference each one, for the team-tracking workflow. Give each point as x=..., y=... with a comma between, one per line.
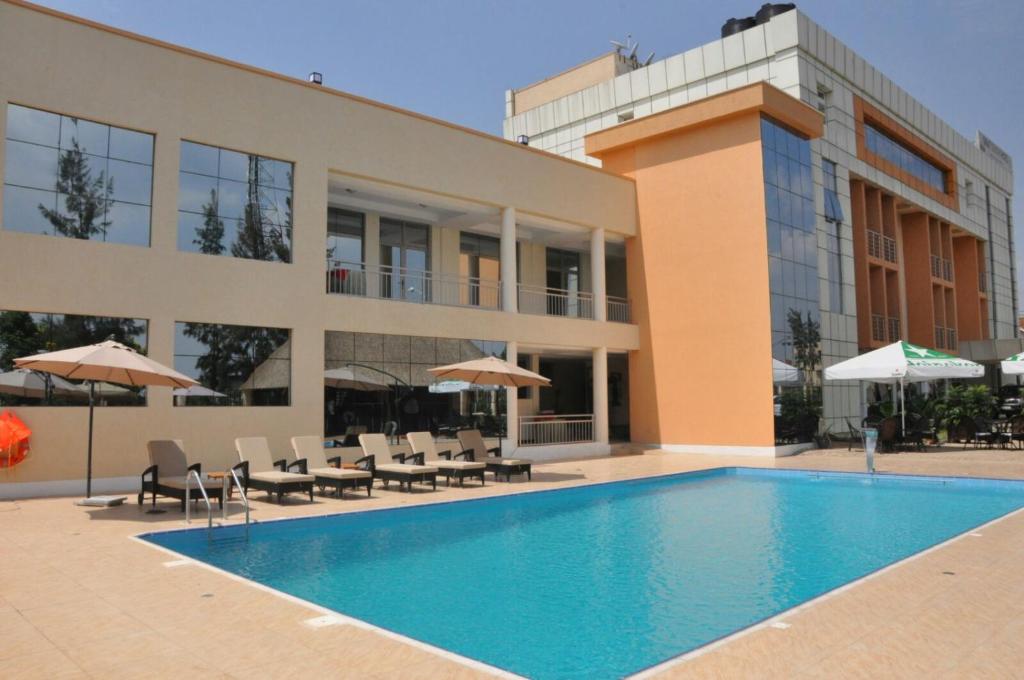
x=85, y=198
x=230, y=362
x=25, y=333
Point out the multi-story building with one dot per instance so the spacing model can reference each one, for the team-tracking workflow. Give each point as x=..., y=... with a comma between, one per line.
x=307, y=254
x=911, y=234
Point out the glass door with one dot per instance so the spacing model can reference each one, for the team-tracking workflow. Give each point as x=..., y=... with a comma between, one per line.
x=480, y=269
x=563, y=282
x=404, y=258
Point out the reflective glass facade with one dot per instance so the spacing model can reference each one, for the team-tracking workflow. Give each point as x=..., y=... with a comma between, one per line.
x=72, y=177
x=236, y=204
x=793, y=281
x=246, y=365
x=833, y=241
x=880, y=143
x=26, y=333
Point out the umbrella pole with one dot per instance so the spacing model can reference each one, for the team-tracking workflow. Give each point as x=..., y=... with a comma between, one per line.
x=903, y=409
x=88, y=470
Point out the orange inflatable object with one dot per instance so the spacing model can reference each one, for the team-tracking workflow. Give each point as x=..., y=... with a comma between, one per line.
x=14, y=436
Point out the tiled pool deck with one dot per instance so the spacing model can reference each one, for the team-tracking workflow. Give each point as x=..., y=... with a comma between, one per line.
x=79, y=599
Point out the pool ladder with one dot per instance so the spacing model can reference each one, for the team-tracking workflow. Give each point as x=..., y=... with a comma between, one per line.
x=228, y=482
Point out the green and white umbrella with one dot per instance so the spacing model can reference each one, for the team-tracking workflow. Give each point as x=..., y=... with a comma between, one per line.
x=901, y=363
x=1013, y=365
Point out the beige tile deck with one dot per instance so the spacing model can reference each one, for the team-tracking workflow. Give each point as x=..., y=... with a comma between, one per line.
x=79, y=599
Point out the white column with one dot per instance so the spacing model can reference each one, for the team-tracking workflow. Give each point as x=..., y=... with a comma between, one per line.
x=512, y=401
x=371, y=254
x=600, y=373
x=597, y=267
x=509, y=290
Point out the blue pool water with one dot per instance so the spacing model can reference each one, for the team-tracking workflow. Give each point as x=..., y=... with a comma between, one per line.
x=602, y=581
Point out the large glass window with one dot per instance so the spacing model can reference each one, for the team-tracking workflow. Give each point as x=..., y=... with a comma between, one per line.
x=563, y=282
x=902, y=156
x=345, y=252
x=834, y=216
x=480, y=268
x=71, y=177
x=405, y=258
x=793, y=282
x=236, y=365
x=232, y=203
x=26, y=333
x=380, y=383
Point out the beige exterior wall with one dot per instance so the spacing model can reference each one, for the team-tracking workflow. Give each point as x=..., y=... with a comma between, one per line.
x=126, y=81
x=592, y=72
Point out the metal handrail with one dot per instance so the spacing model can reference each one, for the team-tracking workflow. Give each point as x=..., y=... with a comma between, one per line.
x=555, y=301
x=541, y=430
x=241, y=494
x=188, y=497
x=618, y=309
x=388, y=282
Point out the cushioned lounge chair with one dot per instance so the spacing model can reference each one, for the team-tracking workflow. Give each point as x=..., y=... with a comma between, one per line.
x=472, y=440
x=168, y=468
x=261, y=471
x=311, y=459
x=375, y=447
x=423, y=443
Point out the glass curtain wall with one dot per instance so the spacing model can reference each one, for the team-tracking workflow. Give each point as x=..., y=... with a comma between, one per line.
x=25, y=333
x=380, y=383
x=480, y=269
x=793, y=283
x=405, y=260
x=346, y=233
x=71, y=177
x=881, y=144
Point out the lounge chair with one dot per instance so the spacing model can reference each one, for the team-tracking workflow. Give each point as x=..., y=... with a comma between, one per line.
x=375, y=448
x=423, y=443
x=261, y=471
x=472, y=440
x=312, y=460
x=167, y=472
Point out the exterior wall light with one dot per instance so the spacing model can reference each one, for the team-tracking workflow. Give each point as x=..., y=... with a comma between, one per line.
x=316, y=78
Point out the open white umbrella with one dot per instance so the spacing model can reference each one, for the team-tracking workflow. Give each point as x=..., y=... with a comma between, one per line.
x=21, y=382
x=784, y=373
x=1013, y=365
x=490, y=371
x=346, y=379
x=107, y=361
x=196, y=391
x=901, y=363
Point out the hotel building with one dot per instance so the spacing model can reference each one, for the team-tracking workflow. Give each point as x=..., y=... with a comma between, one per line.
x=668, y=231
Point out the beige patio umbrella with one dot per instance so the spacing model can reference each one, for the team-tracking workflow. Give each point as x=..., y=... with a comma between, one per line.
x=490, y=371
x=21, y=382
x=107, y=361
x=346, y=379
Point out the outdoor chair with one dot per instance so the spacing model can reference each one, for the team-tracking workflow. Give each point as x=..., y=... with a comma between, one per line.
x=986, y=435
x=311, y=459
x=422, y=443
x=167, y=472
x=260, y=471
x=472, y=441
x=1017, y=431
x=376, y=448
x=888, y=434
x=964, y=431
x=917, y=431
x=854, y=434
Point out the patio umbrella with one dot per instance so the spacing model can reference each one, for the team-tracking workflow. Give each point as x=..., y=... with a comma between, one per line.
x=490, y=371
x=196, y=391
x=21, y=382
x=901, y=363
x=346, y=379
x=783, y=372
x=107, y=361
x=1013, y=365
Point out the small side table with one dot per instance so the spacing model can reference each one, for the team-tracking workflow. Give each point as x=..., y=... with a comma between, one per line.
x=219, y=476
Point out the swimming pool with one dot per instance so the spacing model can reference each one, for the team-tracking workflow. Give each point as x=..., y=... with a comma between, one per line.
x=604, y=580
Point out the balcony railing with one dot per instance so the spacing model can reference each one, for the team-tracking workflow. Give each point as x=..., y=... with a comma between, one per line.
x=942, y=268
x=878, y=327
x=882, y=247
x=951, y=338
x=894, y=329
x=945, y=338
x=548, y=430
x=947, y=270
x=555, y=302
x=411, y=285
x=618, y=309
x=982, y=282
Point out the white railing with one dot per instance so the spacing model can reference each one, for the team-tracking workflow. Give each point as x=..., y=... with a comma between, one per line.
x=548, y=430
x=411, y=285
x=882, y=247
x=618, y=309
x=555, y=302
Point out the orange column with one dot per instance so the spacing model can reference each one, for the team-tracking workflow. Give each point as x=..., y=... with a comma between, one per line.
x=965, y=262
x=917, y=270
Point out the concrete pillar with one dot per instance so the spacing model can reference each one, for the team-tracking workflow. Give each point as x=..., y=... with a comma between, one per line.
x=509, y=290
x=600, y=372
x=597, y=275
x=511, y=400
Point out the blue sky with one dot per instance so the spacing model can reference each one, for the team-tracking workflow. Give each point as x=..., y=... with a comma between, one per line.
x=454, y=58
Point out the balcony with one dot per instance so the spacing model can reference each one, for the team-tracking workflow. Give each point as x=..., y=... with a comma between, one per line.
x=878, y=328
x=982, y=282
x=619, y=310
x=894, y=329
x=552, y=430
x=881, y=247
x=942, y=268
x=397, y=283
x=945, y=338
x=555, y=302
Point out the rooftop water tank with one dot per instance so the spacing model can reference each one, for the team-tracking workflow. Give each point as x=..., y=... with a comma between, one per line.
x=733, y=26
x=769, y=10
